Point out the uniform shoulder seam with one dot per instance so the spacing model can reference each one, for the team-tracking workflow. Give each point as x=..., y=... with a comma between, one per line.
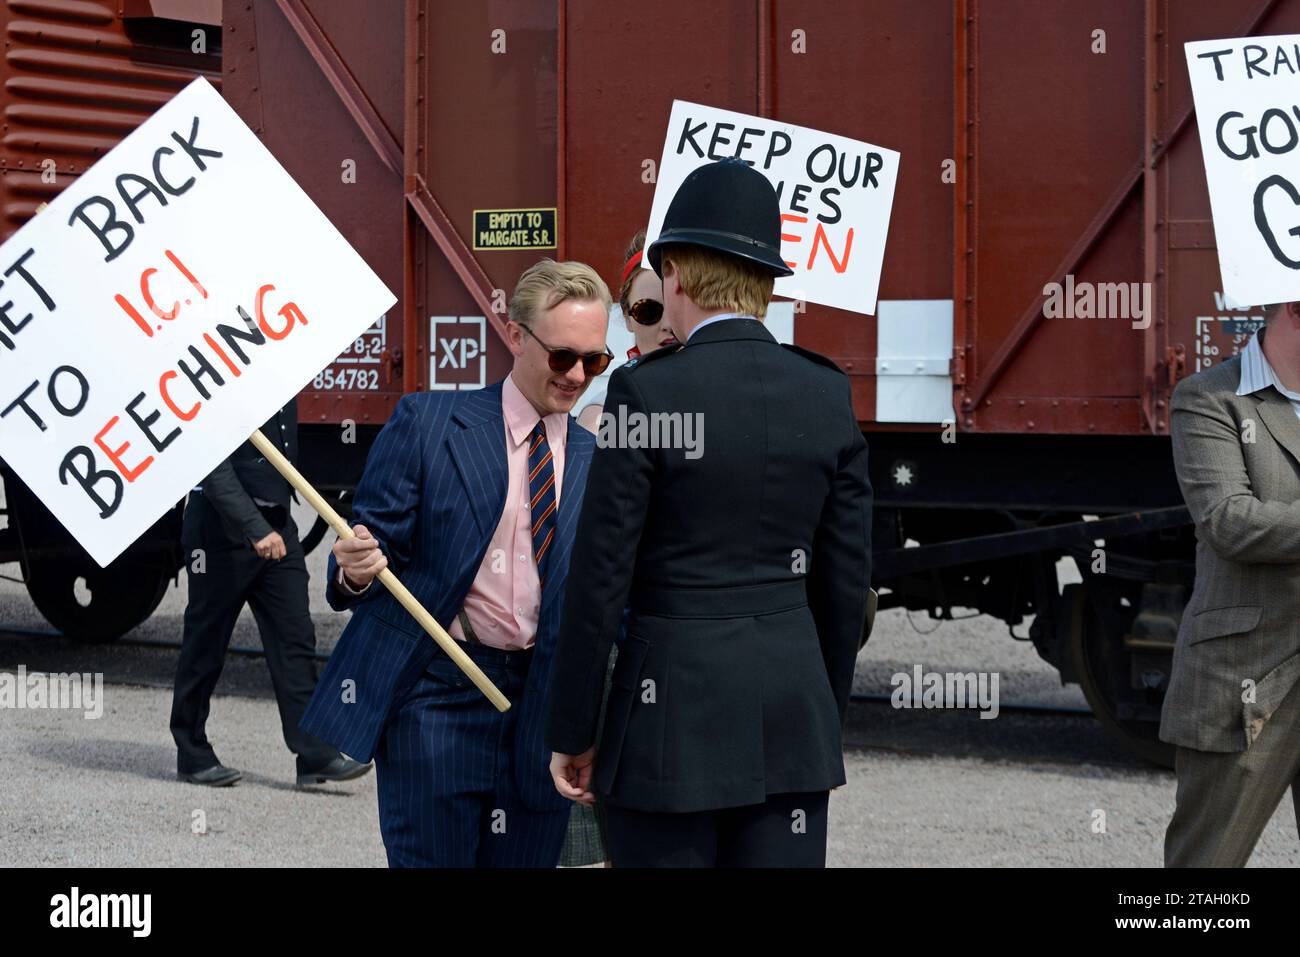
x=816, y=357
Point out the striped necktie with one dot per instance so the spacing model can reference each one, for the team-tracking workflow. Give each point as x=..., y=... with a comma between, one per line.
x=541, y=495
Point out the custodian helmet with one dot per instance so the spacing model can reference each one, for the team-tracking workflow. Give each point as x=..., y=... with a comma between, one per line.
x=727, y=206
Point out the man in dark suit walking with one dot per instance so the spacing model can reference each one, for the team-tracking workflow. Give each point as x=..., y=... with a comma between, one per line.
x=472, y=498
x=742, y=553
x=243, y=548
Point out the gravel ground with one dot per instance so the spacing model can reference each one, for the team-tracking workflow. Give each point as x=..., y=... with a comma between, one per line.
x=926, y=788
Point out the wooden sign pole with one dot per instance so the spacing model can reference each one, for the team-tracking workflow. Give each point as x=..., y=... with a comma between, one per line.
x=409, y=602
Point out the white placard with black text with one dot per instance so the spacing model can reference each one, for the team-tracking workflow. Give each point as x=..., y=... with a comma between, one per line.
x=1247, y=95
x=159, y=310
x=835, y=196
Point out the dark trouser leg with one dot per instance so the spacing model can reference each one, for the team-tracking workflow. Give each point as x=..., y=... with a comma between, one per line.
x=511, y=834
x=446, y=786
x=216, y=596
x=279, y=601
x=786, y=830
x=662, y=839
x=431, y=769
x=1225, y=800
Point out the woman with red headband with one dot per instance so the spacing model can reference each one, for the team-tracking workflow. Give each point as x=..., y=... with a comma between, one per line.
x=641, y=298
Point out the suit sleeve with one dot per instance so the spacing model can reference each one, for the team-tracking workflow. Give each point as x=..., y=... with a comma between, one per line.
x=600, y=578
x=1211, y=469
x=387, y=500
x=839, y=572
x=239, y=513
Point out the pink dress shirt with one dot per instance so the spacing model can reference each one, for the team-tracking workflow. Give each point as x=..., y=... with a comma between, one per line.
x=504, y=601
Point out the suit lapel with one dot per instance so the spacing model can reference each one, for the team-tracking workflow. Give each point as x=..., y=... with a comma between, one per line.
x=478, y=451
x=1280, y=418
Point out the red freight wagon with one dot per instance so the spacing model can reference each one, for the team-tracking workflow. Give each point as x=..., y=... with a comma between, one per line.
x=1050, y=272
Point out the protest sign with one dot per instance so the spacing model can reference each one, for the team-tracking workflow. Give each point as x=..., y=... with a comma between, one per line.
x=1247, y=98
x=161, y=309
x=835, y=195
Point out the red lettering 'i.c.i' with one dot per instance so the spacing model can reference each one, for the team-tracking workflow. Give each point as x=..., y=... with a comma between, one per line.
x=146, y=293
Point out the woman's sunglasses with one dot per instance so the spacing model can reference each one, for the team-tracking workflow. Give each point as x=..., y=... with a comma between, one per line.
x=646, y=312
x=562, y=360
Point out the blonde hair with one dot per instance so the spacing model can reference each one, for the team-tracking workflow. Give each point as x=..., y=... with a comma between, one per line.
x=546, y=284
x=714, y=280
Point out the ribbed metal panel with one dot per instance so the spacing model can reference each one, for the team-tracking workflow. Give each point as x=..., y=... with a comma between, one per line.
x=76, y=80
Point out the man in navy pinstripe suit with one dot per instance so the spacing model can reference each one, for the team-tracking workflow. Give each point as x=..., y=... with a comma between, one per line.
x=472, y=498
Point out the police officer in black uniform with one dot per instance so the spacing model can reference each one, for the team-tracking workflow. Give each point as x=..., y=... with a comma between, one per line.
x=242, y=547
x=744, y=564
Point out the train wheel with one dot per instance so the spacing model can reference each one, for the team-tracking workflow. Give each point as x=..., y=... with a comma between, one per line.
x=1103, y=666
x=76, y=596
x=94, y=604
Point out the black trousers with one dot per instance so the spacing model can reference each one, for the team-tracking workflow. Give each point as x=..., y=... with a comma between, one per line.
x=233, y=575
x=786, y=830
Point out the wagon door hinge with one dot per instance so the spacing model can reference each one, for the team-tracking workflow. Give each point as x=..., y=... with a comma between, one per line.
x=392, y=364
x=1175, y=364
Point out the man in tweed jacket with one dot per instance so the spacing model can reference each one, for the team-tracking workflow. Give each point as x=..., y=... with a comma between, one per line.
x=1233, y=705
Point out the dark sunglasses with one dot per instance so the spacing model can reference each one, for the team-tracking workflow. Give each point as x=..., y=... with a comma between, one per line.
x=646, y=312
x=562, y=360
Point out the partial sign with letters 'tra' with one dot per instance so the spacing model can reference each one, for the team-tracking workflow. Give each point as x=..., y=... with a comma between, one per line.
x=1247, y=95
x=159, y=310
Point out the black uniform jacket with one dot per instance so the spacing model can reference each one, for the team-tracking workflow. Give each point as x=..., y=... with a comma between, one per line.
x=744, y=563
x=234, y=484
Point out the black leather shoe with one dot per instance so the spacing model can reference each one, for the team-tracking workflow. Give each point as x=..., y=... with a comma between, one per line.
x=340, y=769
x=217, y=776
